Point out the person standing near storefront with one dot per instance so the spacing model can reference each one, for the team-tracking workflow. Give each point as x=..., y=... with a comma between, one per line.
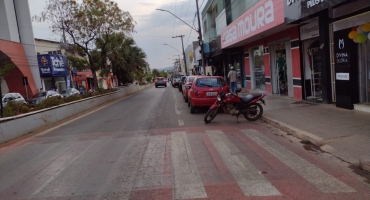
x=232, y=79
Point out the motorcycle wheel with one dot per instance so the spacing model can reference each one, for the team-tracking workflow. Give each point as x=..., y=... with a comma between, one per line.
x=254, y=112
x=210, y=115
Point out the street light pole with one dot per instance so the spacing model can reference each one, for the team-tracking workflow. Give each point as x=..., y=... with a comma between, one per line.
x=183, y=52
x=199, y=30
x=200, y=38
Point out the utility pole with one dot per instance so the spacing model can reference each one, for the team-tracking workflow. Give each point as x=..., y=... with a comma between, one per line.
x=183, y=52
x=200, y=39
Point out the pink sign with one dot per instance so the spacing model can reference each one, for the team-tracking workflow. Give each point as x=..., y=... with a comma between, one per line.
x=262, y=16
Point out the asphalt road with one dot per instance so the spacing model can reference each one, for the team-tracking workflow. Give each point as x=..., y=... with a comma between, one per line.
x=149, y=146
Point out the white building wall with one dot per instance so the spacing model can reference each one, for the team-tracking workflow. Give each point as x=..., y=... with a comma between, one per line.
x=27, y=39
x=43, y=47
x=8, y=21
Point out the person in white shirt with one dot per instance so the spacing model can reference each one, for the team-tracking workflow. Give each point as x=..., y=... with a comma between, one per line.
x=232, y=79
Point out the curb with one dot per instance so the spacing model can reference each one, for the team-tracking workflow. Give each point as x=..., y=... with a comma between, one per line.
x=303, y=135
x=363, y=162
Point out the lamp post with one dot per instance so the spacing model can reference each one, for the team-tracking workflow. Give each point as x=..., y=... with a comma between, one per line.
x=199, y=30
x=176, y=55
x=183, y=52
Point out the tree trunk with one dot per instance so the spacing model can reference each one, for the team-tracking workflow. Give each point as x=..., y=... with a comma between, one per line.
x=95, y=79
x=93, y=71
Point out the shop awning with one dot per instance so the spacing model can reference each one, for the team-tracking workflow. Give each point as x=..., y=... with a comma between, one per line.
x=352, y=21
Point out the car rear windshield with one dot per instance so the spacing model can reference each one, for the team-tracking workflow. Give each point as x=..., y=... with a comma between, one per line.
x=161, y=79
x=210, y=82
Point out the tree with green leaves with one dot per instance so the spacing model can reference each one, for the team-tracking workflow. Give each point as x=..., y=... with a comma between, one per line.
x=85, y=24
x=155, y=73
x=6, y=66
x=128, y=61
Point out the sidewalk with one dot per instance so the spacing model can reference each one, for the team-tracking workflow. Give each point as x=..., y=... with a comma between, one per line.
x=343, y=133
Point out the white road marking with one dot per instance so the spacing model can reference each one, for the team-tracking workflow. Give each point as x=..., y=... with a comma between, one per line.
x=188, y=183
x=320, y=179
x=177, y=110
x=181, y=122
x=151, y=169
x=250, y=181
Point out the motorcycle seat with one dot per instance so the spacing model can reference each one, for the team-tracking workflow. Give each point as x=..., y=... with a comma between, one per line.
x=251, y=97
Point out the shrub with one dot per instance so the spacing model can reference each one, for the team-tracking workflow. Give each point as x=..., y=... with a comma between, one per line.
x=72, y=98
x=87, y=94
x=12, y=108
x=49, y=102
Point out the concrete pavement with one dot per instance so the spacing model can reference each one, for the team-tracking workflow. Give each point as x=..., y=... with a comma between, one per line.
x=343, y=133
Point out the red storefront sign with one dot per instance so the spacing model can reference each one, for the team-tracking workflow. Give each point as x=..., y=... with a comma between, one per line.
x=262, y=16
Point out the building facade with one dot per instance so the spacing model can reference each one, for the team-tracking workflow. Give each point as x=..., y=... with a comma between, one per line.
x=17, y=43
x=334, y=45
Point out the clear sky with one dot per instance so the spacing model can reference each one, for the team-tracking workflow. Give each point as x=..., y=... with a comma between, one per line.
x=153, y=28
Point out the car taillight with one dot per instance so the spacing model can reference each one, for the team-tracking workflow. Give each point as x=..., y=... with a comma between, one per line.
x=195, y=92
x=156, y=80
x=164, y=80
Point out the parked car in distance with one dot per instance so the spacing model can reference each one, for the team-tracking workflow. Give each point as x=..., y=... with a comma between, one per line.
x=69, y=92
x=18, y=98
x=182, y=81
x=39, y=97
x=160, y=81
x=189, y=80
x=176, y=81
x=204, y=90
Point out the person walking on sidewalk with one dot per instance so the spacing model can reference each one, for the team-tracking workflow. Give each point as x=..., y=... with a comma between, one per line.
x=232, y=79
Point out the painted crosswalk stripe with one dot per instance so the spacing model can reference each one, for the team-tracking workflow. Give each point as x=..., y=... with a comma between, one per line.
x=188, y=183
x=181, y=122
x=250, y=181
x=320, y=179
x=151, y=169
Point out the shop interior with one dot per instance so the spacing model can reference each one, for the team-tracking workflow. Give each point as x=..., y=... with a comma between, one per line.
x=235, y=62
x=258, y=68
x=312, y=70
x=281, y=69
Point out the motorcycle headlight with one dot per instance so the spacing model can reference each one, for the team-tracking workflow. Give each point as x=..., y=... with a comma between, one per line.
x=218, y=98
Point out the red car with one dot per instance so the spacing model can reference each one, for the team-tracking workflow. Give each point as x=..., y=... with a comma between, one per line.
x=204, y=90
x=189, y=80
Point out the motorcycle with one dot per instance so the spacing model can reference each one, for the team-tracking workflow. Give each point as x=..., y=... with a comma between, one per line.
x=234, y=105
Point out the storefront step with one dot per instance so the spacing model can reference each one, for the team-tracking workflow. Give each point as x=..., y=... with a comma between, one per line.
x=362, y=107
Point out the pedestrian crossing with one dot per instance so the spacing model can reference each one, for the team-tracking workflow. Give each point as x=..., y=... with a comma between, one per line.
x=188, y=183
x=202, y=164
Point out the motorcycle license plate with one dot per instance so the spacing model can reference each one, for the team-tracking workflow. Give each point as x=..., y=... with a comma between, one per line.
x=211, y=94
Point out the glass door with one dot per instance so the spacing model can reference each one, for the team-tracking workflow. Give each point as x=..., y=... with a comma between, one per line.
x=281, y=68
x=258, y=68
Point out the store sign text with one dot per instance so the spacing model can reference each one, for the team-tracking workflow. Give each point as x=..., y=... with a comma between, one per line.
x=310, y=31
x=310, y=3
x=254, y=21
x=342, y=76
x=342, y=58
x=58, y=63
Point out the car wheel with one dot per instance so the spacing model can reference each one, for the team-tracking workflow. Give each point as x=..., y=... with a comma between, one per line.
x=186, y=99
x=192, y=108
x=156, y=86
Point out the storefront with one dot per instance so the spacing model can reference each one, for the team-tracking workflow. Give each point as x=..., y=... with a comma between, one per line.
x=217, y=58
x=265, y=50
x=314, y=20
x=82, y=79
x=352, y=54
x=53, y=71
x=273, y=64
